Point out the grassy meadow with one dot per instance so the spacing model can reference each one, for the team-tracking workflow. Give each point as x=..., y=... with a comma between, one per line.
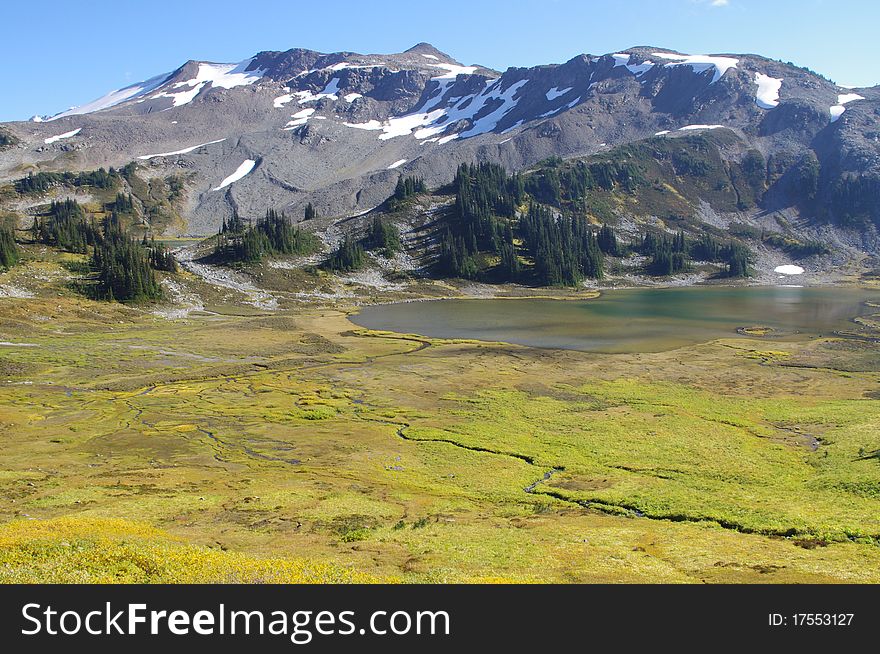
x=295, y=447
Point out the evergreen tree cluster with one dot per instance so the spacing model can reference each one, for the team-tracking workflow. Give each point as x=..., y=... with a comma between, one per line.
x=556, y=183
x=348, y=257
x=383, y=236
x=673, y=254
x=9, y=253
x=272, y=235
x=565, y=249
x=855, y=201
x=669, y=255
x=310, y=212
x=123, y=266
x=123, y=203
x=41, y=182
x=485, y=202
x=406, y=187
x=67, y=227
x=608, y=243
x=160, y=256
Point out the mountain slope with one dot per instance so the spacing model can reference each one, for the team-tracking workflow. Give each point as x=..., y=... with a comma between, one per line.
x=337, y=129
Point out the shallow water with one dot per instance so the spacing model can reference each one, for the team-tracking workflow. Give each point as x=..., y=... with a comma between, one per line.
x=630, y=320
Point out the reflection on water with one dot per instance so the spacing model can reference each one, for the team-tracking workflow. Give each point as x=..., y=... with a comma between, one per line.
x=632, y=320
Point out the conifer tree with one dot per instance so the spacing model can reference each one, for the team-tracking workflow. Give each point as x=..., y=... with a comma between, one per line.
x=9, y=254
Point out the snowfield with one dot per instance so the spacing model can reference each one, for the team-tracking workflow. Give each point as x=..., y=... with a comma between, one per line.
x=66, y=135
x=184, y=151
x=701, y=63
x=767, y=96
x=435, y=116
x=223, y=76
x=244, y=169
x=789, y=270
x=396, y=164
x=113, y=98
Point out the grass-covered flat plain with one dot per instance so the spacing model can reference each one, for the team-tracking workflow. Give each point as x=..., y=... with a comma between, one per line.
x=295, y=446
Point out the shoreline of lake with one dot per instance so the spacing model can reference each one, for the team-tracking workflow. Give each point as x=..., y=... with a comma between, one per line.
x=630, y=320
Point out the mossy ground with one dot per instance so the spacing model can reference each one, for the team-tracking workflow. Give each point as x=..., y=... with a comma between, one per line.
x=293, y=447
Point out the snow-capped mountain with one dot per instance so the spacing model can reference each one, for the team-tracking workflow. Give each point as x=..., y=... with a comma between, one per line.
x=281, y=129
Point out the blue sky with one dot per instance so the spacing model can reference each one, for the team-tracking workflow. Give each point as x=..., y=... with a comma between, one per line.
x=102, y=45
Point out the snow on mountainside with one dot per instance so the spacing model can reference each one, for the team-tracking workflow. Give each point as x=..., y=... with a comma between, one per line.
x=112, y=99
x=337, y=129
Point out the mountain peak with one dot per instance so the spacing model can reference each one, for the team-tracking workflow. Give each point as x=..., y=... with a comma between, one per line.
x=427, y=49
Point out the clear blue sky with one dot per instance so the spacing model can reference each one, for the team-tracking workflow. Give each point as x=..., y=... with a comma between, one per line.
x=60, y=53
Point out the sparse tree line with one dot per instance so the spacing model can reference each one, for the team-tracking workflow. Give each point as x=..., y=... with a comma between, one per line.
x=43, y=181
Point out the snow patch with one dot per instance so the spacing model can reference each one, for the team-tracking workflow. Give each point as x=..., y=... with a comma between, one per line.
x=427, y=56
x=692, y=127
x=838, y=109
x=559, y=109
x=184, y=151
x=299, y=118
x=397, y=163
x=246, y=167
x=623, y=59
x=848, y=97
x=453, y=70
x=351, y=97
x=329, y=92
x=701, y=63
x=789, y=270
x=66, y=135
x=767, y=96
x=282, y=100
x=556, y=92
